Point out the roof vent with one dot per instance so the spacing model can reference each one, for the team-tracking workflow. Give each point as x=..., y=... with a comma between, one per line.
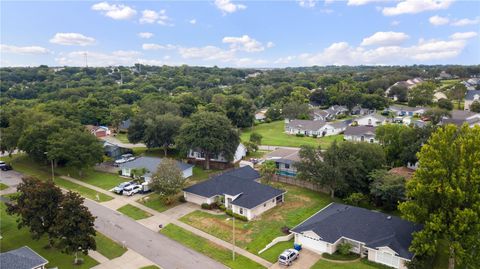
x=389, y=217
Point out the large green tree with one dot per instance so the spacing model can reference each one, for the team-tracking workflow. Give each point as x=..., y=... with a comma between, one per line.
x=444, y=196
x=161, y=131
x=240, y=111
x=387, y=189
x=168, y=179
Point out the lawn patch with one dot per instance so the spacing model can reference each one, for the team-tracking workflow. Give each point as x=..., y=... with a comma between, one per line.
x=362, y=264
x=156, y=202
x=150, y=267
x=208, y=248
x=107, y=247
x=3, y=187
x=83, y=191
x=134, y=212
x=272, y=253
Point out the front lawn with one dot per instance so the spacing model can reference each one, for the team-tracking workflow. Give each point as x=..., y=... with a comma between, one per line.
x=3, y=187
x=134, y=212
x=208, y=248
x=83, y=191
x=122, y=137
x=273, y=134
x=272, y=253
x=362, y=264
x=108, y=248
x=254, y=235
x=157, y=202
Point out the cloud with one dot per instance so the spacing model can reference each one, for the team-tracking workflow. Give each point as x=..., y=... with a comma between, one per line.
x=362, y=2
x=145, y=35
x=307, y=3
x=151, y=16
x=226, y=6
x=270, y=44
x=285, y=60
x=416, y=6
x=244, y=43
x=437, y=20
x=77, y=58
x=151, y=46
x=193, y=21
x=464, y=35
x=36, y=50
x=384, y=39
x=75, y=39
x=208, y=53
x=114, y=11
x=464, y=22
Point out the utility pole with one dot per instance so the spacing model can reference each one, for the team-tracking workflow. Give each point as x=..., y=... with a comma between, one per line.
x=233, y=249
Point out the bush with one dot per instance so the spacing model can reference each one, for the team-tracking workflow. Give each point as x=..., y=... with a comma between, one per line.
x=206, y=206
x=222, y=207
x=299, y=135
x=344, y=248
x=181, y=199
x=314, y=136
x=355, y=199
x=235, y=215
x=285, y=230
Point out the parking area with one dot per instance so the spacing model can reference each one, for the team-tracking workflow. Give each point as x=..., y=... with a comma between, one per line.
x=306, y=259
x=10, y=178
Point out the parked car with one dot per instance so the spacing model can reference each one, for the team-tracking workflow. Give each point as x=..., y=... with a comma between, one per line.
x=132, y=189
x=125, y=158
x=119, y=189
x=288, y=256
x=5, y=166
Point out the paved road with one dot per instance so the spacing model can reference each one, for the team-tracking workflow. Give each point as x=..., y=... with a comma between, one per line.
x=10, y=178
x=153, y=246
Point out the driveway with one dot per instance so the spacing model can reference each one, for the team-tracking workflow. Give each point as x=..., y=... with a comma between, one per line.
x=10, y=178
x=152, y=245
x=117, y=142
x=306, y=259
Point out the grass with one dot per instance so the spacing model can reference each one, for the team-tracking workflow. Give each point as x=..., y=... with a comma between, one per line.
x=208, y=248
x=122, y=137
x=199, y=174
x=256, y=234
x=3, y=187
x=362, y=264
x=108, y=248
x=157, y=202
x=272, y=253
x=340, y=257
x=83, y=191
x=150, y=267
x=273, y=134
x=14, y=238
x=134, y=212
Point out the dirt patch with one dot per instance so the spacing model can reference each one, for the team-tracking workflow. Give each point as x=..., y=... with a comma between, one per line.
x=221, y=228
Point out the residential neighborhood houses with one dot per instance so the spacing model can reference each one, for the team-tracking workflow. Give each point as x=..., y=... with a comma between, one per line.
x=361, y=133
x=150, y=165
x=285, y=159
x=315, y=128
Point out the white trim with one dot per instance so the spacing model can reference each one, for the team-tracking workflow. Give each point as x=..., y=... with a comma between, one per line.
x=376, y=249
x=261, y=202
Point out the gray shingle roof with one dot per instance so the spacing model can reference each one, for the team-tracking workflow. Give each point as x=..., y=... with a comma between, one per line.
x=306, y=125
x=360, y=130
x=238, y=181
x=21, y=258
x=470, y=95
x=151, y=164
x=375, y=229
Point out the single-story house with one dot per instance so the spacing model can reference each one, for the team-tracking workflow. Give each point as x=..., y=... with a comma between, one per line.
x=199, y=156
x=379, y=237
x=371, y=120
x=315, y=127
x=470, y=97
x=328, y=114
x=151, y=164
x=124, y=125
x=407, y=111
x=358, y=110
x=238, y=190
x=360, y=134
x=114, y=151
x=459, y=117
x=260, y=115
x=98, y=131
x=319, y=114
x=22, y=258
x=285, y=159
x=408, y=84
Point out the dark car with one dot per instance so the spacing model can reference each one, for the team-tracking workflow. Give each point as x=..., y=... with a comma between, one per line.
x=5, y=166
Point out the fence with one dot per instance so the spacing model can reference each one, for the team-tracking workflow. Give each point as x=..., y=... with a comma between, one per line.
x=301, y=183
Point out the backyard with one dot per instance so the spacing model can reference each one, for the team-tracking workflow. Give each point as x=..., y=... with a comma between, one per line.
x=273, y=134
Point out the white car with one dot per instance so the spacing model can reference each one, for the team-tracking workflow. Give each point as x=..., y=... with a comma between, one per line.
x=125, y=158
x=132, y=189
x=288, y=256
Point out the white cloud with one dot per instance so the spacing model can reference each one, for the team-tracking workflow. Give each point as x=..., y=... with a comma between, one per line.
x=385, y=39
x=151, y=16
x=244, y=43
x=285, y=60
x=23, y=50
x=208, y=53
x=307, y=3
x=270, y=44
x=193, y=21
x=226, y=6
x=464, y=35
x=362, y=2
x=151, y=46
x=145, y=35
x=72, y=39
x=466, y=21
x=77, y=58
x=114, y=11
x=437, y=20
x=416, y=6
x=395, y=23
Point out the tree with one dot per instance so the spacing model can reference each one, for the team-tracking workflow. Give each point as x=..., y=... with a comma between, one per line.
x=168, y=179
x=119, y=114
x=475, y=107
x=436, y=114
x=274, y=112
x=443, y=196
x=457, y=92
x=295, y=110
x=445, y=104
x=387, y=189
x=268, y=169
x=422, y=94
x=400, y=92
x=36, y=205
x=256, y=138
x=212, y=133
x=240, y=111
x=74, y=226
x=161, y=131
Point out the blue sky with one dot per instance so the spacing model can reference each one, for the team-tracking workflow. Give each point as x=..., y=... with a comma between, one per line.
x=240, y=33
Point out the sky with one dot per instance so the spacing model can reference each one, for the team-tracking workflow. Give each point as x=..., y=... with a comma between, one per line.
x=229, y=33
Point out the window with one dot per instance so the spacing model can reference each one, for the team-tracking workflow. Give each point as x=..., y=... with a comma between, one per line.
x=273, y=200
x=240, y=211
x=287, y=166
x=265, y=204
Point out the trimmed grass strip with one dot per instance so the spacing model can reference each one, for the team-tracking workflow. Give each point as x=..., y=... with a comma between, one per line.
x=134, y=212
x=108, y=248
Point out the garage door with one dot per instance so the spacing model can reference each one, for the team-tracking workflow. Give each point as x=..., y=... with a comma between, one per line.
x=312, y=244
x=388, y=259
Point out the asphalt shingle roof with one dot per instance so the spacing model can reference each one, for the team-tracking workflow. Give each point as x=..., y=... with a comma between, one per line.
x=375, y=229
x=21, y=258
x=238, y=181
x=470, y=95
x=360, y=130
x=151, y=164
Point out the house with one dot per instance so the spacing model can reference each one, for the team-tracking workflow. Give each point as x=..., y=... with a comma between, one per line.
x=459, y=117
x=22, y=258
x=407, y=111
x=319, y=114
x=470, y=97
x=315, y=127
x=358, y=110
x=379, y=237
x=124, y=125
x=238, y=190
x=98, y=131
x=408, y=84
x=285, y=159
x=198, y=156
x=260, y=115
x=151, y=164
x=371, y=120
x=360, y=134
x=328, y=114
x=114, y=151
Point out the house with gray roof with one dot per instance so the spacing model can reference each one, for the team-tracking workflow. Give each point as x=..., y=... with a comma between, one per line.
x=379, y=237
x=285, y=159
x=459, y=117
x=360, y=134
x=151, y=164
x=407, y=111
x=371, y=120
x=22, y=258
x=239, y=190
x=470, y=97
x=315, y=127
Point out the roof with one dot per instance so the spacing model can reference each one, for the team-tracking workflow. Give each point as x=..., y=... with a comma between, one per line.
x=151, y=164
x=462, y=114
x=373, y=115
x=125, y=124
x=374, y=229
x=307, y=125
x=360, y=130
x=240, y=181
x=403, y=171
x=472, y=95
x=406, y=108
x=21, y=258
x=284, y=155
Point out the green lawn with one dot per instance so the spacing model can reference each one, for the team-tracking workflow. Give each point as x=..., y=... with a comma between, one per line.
x=122, y=137
x=134, y=212
x=3, y=187
x=199, y=174
x=362, y=264
x=14, y=238
x=156, y=202
x=84, y=191
x=150, y=267
x=208, y=248
x=272, y=253
x=256, y=234
x=273, y=134
x=108, y=248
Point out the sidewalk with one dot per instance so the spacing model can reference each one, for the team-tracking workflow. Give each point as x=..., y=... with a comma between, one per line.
x=129, y=259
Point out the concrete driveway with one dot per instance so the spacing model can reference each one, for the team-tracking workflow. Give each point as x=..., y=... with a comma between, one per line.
x=306, y=259
x=11, y=179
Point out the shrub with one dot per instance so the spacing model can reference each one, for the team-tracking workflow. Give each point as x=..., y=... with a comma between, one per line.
x=299, y=135
x=237, y=216
x=355, y=199
x=120, y=172
x=285, y=230
x=181, y=199
x=222, y=207
x=314, y=136
x=206, y=206
x=344, y=248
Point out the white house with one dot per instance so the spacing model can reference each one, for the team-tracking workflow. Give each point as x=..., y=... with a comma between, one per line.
x=371, y=120
x=22, y=258
x=238, y=190
x=315, y=127
x=470, y=97
x=285, y=159
x=379, y=237
x=199, y=155
x=151, y=164
x=407, y=111
x=360, y=134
